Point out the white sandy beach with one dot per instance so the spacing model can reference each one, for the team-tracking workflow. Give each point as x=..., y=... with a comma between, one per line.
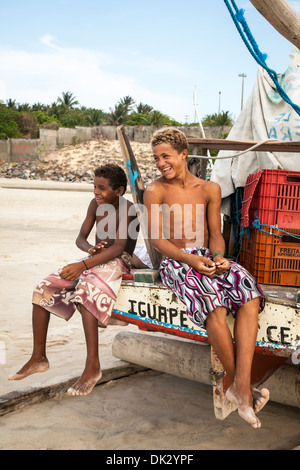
x=148, y=410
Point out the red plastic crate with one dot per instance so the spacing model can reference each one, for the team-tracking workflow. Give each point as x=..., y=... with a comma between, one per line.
x=272, y=197
x=272, y=259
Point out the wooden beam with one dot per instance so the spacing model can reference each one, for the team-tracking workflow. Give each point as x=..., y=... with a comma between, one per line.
x=281, y=15
x=17, y=400
x=239, y=145
x=191, y=360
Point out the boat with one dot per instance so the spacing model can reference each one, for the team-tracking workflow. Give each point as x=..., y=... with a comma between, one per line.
x=145, y=302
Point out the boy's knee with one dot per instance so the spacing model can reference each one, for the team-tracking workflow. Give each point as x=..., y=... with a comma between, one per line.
x=217, y=316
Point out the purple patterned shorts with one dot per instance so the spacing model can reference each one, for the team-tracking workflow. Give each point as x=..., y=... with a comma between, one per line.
x=202, y=294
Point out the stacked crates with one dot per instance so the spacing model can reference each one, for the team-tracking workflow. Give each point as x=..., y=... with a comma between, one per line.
x=271, y=248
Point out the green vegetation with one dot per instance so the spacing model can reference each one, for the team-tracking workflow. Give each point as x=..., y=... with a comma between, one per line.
x=221, y=119
x=24, y=120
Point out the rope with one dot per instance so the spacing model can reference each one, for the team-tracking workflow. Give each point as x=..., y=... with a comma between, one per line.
x=236, y=210
x=256, y=223
x=246, y=35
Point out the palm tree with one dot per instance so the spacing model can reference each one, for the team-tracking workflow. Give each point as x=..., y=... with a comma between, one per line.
x=38, y=107
x=128, y=103
x=68, y=100
x=94, y=117
x=218, y=119
x=156, y=119
x=118, y=115
x=11, y=104
x=24, y=107
x=144, y=108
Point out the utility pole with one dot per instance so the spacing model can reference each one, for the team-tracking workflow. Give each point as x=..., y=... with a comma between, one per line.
x=243, y=78
x=219, y=112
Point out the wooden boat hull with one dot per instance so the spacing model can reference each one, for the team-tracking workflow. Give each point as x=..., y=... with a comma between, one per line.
x=153, y=307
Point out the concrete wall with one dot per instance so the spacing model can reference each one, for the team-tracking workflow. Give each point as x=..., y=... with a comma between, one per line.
x=5, y=150
x=48, y=140
x=13, y=150
x=144, y=133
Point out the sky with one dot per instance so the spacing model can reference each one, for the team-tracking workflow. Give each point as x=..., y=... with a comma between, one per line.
x=159, y=52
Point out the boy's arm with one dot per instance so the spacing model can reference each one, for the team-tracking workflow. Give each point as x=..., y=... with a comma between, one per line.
x=73, y=271
x=86, y=227
x=216, y=240
x=153, y=198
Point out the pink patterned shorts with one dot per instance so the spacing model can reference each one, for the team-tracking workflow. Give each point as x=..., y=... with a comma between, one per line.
x=202, y=294
x=97, y=289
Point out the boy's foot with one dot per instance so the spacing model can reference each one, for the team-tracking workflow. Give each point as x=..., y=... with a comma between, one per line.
x=260, y=398
x=84, y=384
x=245, y=410
x=31, y=367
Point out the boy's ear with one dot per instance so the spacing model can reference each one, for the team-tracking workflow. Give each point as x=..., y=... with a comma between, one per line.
x=120, y=191
x=185, y=153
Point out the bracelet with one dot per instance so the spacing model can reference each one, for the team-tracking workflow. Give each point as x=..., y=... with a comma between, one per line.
x=216, y=254
x=84, y=264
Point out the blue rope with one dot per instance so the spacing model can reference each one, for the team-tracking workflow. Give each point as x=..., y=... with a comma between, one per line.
x=246, y=35
x=256, y=223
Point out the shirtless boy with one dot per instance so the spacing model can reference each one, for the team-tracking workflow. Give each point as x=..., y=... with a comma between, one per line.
x=91, y=284
x=194, y=267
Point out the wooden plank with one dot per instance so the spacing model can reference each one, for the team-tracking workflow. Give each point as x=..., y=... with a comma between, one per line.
x=153, y=307
x=239, y=145
x=283, y=295
x=19, y=399
x=222, y=406
x=137, y=190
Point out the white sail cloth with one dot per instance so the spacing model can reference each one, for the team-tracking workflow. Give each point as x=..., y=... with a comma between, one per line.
x=265, y=115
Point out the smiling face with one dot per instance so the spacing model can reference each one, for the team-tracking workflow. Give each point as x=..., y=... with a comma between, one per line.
x=169, y=162
x=104, y=193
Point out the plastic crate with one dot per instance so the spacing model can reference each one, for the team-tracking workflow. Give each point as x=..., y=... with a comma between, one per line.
x=272, y=197
x=272, y=259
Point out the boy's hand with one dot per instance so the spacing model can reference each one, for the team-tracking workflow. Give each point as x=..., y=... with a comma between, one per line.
x=222, y=264
x=204, y=266
x=72, y=271
x=97, y=248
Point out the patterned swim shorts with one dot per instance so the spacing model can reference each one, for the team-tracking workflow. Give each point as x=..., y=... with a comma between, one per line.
x=97, y=289
x=202, y=294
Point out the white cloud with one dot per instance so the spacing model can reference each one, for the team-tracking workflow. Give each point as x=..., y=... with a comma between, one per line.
x=31, y=77
x=47, y=40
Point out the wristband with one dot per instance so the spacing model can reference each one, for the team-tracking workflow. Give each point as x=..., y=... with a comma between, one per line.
x=85, y=264
x=216, y=254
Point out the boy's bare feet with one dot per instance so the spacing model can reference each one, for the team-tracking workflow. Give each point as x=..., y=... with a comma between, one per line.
x=31, y=367
x=260, y=398
x=85, y=383
x=244, y=405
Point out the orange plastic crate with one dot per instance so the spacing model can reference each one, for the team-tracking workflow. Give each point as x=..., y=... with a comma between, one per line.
x=272, y=197
x=272, y=259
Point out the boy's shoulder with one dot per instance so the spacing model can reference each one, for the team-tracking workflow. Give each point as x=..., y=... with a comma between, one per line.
x=212, y=189
x=159, y=183
x=155, y=186
x=206, y=183
x=93, y=205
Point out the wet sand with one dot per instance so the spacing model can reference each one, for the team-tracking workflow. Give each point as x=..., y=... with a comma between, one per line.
x=148, y=410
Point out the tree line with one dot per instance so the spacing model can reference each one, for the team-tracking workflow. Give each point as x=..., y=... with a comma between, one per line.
x=24, y=120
